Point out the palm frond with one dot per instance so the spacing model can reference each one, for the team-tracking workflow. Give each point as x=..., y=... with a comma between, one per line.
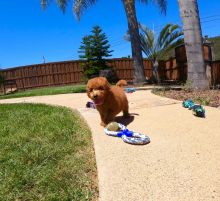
x=44, y=3
x=148, y=51
x=173, y=29
x=163, y=35
x=62, y=4
x=164, y=51
x=162, y=4
x=169, y=37
x=145, y=45
x=81, y=5
x=149, y=35
x=172, y=38
x=168, y=34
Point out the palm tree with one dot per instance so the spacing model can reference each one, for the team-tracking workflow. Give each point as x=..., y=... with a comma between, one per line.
x=129, y=5
x=189, y=13
x=156, y=48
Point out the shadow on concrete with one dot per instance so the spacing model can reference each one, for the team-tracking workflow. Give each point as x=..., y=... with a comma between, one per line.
x=126, y=120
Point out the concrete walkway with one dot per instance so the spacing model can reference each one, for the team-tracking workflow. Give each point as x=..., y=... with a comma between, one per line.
x=182, y=162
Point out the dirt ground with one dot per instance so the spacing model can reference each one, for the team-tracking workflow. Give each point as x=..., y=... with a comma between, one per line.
x=205, y=97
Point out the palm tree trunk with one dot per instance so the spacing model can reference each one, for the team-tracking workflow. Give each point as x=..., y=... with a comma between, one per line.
x=193, y=42
x=129, y=6
x=155, y=71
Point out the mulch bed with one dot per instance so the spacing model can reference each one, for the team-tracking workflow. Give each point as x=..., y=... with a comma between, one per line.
x=205, y=97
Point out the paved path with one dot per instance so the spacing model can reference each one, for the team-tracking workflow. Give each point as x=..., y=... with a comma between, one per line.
x=182, y=162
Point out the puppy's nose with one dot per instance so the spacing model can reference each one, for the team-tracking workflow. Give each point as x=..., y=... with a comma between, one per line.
x=95, y=96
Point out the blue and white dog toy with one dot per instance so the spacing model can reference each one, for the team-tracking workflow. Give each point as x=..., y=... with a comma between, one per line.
x=118, y=130
x=130, y=90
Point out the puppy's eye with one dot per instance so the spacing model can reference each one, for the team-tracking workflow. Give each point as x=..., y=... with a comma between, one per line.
x=101, y=88
x=89, y=90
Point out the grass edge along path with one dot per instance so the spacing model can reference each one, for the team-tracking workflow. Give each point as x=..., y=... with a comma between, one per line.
x=46, y=91
x=46, y=153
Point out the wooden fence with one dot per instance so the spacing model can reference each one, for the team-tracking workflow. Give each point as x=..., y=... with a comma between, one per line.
x=171, y=70
x=48, y=74
x=63, y=73
x=124, y=68
x=216, y=72
x=71, y=72
x=168, y=70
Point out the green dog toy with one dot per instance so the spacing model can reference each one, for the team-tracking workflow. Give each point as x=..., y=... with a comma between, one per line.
x=198, y=111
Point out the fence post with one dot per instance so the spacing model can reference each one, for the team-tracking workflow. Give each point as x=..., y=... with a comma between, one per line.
x=22, y=78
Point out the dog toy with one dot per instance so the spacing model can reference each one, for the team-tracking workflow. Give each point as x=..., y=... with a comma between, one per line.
x=90, y=105
x=130, y=90
x=118, y=130
x=188, y=103
x=199, y=111
x=113, y=126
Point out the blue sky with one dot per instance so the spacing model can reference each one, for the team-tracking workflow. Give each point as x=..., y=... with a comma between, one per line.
x=27, y=33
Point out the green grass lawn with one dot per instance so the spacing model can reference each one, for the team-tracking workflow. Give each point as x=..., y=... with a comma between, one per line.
x=46, y=91
x=46, y=153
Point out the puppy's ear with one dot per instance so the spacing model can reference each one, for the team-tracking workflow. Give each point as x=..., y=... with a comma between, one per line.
x=87, y=86
x=107, y=84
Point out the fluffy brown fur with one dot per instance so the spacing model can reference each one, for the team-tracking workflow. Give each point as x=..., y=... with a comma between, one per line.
x=122, y=83
x=109, y=100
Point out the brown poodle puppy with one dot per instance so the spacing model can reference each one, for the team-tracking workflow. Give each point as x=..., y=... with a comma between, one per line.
x=109, y=100
x=122, y=83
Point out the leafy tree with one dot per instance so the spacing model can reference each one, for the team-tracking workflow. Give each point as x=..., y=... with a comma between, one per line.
x=156, y=48
x=79, y=6
x=189, y=13
x=94, y=49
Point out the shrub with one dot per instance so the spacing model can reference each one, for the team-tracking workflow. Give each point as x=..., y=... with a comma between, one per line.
x=187, y=87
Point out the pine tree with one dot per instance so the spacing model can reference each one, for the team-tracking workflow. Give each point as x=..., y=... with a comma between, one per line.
x=94, y=49
x=100, y=44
